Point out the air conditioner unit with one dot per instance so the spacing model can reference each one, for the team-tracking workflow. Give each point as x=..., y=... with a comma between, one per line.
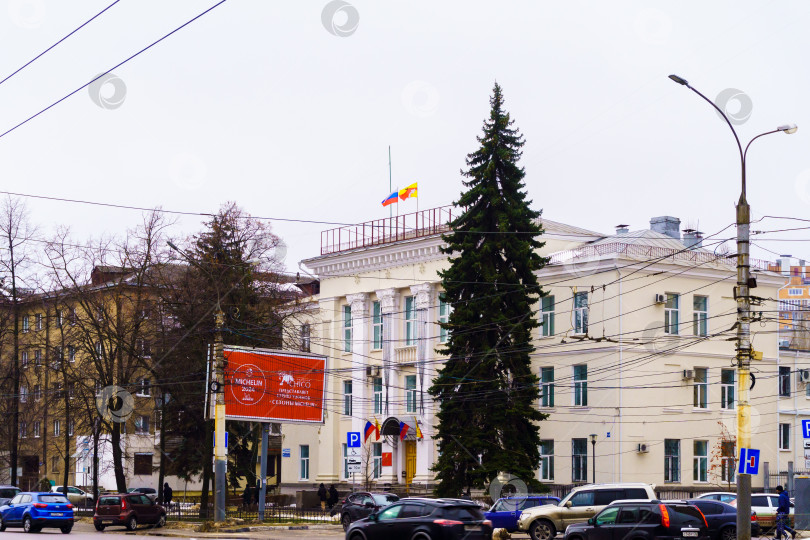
x=642, y=448
x=660, y=299
x=372, y=371
x=805, y=375
x=689, y=374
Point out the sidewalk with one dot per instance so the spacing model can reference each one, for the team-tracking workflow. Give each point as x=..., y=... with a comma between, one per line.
x=259, y=532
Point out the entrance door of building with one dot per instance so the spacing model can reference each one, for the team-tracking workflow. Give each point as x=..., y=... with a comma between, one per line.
x=410, y=461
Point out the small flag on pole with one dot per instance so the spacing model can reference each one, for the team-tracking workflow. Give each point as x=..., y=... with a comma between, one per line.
x=418, y=431
x=369, y=429
x=391, y=199
x=377, y=427
x=409, y=191
x=403, y=430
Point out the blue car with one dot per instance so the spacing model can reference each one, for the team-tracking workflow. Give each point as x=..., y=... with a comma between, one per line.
x=505, y=513
x=35, y=511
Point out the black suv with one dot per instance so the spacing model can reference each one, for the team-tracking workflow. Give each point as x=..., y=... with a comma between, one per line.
x=424, y=519
x=643, y=520
x=722, y=519
x=361, y=504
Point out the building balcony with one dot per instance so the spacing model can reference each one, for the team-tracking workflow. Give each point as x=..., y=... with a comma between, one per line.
x=405, y=355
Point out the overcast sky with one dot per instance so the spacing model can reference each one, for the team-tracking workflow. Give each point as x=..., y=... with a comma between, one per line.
x=290, y=112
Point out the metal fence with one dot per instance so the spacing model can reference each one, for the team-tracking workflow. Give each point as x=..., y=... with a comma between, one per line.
x=272, y=514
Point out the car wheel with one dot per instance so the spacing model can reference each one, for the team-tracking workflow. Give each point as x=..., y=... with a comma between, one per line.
x=161, y=521
x=2, y=524
x=99, y=527
x=132, y=523
x=346, y=520
x=27, y=525
x=542, y=529
x=421, y=536
x=357, y=536
x=66, y=529
x=729, y=533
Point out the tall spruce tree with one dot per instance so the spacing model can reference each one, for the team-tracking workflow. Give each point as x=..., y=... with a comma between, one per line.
x=487, y=392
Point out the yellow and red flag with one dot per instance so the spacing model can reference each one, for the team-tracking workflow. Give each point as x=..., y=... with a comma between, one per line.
x=408, y=191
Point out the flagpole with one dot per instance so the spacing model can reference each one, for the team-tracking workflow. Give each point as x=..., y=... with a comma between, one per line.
x=390, y=210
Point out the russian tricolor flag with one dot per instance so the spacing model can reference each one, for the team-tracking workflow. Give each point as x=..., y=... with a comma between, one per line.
x=391, y=199
x=369, y=429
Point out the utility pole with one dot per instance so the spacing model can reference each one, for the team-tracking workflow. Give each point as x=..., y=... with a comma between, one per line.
x=220, y=459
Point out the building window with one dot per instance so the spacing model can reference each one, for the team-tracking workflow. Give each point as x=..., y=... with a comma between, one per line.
x=25, y=324
x=59, y=318
x=795, y=292
x=71, y=390
x=410, y=393
x=142, y=465
x=728, y=461
x=142, y=425
x=24, y=361
x=38, y=321
x=143, y=388
x=347, y=328
x=347, y=398
x=36, y=429
x=784, y=381
x=727, y=389
x=306, y=340
x=784, y=436
x=345, y=461
x=72, y=317
x=580, y=313
x=71, y=353
x=672, y=460
x=303, y=452
x=376, y=453
x=444, y=318
x=377, y=325
x=581, y=386
x=547, y=387
x=701, y=389
x=99, y=350
x=377, y=390
x=57, y=428
x=579, y=460
x=23, y=430
x=547, y=460
x=547, y=322
x=671, y=314
x=700, y=466
x=700, y=315
x=37, y=392
x=23, y=394
x=55, y=464
x=410, y=321
x=58, y=356
x=70, y=427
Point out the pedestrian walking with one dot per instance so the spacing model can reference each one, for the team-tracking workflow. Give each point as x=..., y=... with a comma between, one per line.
x=322, y=495
x=333, y=496
x=783, y=515
x=167, y=494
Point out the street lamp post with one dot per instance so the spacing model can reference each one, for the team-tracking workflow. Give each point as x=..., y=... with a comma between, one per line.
x=593, y=458
x=741, y=293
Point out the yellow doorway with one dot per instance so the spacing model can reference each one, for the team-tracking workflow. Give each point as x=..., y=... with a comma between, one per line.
x=410, y=461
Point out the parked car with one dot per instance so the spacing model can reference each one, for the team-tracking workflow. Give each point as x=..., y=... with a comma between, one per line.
x=722, y=496
x=412, y=518
x=77, y=496
x=644, y=520
x=149, y=492
x=361, y=504
x=765, y=505
x=543, y=522
x=129, y=510
x=505, y=512
x=34, y=511
x=7, y=493
x=722, y=519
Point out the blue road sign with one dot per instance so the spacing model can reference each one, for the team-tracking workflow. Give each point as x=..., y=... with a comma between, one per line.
x=285, y=452
x=806, y=428
x=353, y=439
x=749, y=461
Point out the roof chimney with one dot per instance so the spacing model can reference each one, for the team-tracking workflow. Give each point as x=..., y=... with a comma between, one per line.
x=668, y=225
x=621, y=229
x=692, y=238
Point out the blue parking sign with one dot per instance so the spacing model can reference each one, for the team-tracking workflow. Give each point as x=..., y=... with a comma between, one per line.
x=806, y=429
x=749, y=461
x=353, y=439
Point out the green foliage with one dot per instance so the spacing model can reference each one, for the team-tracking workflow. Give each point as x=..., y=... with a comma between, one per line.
x=487, y=392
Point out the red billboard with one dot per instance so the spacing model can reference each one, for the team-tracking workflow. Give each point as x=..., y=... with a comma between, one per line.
x=263, y=385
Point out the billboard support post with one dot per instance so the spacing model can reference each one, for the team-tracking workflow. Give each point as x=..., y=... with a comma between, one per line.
x=220, y=460
x=263, y=471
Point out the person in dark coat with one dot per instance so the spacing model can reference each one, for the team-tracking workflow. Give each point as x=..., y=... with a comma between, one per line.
x=167, y=494
x=247, y=497
x=322, y=495
x=783, y=515
x=333, y=496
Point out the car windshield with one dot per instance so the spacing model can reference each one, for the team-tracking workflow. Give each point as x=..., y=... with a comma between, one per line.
x=109, y=501
x=462, y=513
x=58, y=499
x=8, y=493
x=384, y=500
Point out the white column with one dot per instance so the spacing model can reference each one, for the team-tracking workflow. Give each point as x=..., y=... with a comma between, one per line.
x=360, y=348
x=425, y=299
x=389, y=304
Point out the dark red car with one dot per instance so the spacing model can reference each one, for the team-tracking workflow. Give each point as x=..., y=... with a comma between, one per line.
x=129, y=510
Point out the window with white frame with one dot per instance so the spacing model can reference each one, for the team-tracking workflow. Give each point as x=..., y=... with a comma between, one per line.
x=795, y=292
x=581, y=385
x=303, y=453
x=345, y=461
x=347, y=398
x=306, y=340
x=547, y=459
x=58, y=356
x=784, y=381
x=38, y=321
x=546, y=386
x=25, y=324
x=37, y=357
x=700, y=315
x=579, y=460
x=70, y=427
x=700, y=464
x=36, y=429
x=377, y=324
x=444, y=318
x=410, y=321
x=99, y=350
x=59, y=318
x=671, y=314
x=71, y=353
x=376, y=453
x=377, y=393
x=23, y=394
x=547, y=316
x=71, y=390
x=57, y=428
x=580, y=313
x=143, y=388
x=728, y=461
x=672, y=460
x=23, y=429
x=347, y=328
x=784, y=436
x=410, y=393
x=142, y=424
x=727, y=384
x=37, y=392
x=700, y=390
x=24, y=361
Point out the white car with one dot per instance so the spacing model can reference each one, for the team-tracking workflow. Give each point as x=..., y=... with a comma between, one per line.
x=765, y=505
x=722, y=496
x=77, y=496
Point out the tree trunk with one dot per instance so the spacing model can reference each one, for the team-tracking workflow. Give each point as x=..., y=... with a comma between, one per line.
x=96, y=434
x=208, y=461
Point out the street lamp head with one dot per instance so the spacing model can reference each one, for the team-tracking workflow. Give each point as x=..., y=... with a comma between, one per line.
x=172, y=245
x=788, y=128
x=593, y=437
x=679, y=80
